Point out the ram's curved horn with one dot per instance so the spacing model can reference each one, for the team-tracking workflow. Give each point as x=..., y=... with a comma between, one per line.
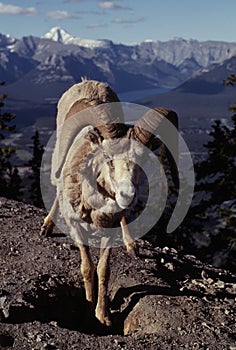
x=156, y=121
x=106, y=117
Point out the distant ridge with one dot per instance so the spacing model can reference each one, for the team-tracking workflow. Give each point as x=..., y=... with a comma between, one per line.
x=62, y=57
x=38, y=70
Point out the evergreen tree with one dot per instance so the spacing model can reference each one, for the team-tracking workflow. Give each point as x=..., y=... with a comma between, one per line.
x=14, y=183
x=6, y=151
x=216, y=174
x=213, y=217
x=35, y=164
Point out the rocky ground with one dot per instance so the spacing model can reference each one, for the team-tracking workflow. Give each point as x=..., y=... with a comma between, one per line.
x=159, y=300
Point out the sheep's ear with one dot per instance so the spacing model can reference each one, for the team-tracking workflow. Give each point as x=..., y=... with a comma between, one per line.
x=94, y=137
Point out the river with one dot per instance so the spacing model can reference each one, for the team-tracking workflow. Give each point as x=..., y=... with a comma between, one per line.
x=131, y=96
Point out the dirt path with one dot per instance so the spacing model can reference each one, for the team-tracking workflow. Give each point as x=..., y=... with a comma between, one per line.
x=160, y=300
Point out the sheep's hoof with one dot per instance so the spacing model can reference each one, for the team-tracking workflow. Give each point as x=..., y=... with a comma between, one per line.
x=103, y=319
x=46, y=229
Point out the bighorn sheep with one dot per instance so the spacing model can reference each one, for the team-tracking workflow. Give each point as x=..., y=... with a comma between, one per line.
x=98, y=136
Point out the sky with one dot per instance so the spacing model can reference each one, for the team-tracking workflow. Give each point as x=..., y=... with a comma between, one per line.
x=122, y=21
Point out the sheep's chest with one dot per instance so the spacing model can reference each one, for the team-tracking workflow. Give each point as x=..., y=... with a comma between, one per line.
x=82, y=198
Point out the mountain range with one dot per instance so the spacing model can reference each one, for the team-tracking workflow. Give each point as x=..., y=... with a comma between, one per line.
x=44, y=67
x=38, y=70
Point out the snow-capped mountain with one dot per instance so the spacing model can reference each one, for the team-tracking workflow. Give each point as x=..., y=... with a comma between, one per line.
x=60, y=35
x=6, y=40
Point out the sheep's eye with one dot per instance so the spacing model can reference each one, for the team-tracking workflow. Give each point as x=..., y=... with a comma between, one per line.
x=107, y=156
x=111, y=164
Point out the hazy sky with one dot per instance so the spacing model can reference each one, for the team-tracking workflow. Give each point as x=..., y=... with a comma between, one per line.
x=126, y=21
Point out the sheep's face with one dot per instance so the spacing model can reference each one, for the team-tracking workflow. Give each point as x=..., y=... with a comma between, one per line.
x=122, y=175
x=118, y=168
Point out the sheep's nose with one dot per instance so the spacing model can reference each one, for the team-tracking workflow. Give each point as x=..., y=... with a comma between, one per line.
x=125, y=194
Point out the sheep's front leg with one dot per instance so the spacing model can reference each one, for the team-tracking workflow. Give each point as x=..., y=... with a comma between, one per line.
x=87, y=270
x=87, y=267
x=130, y=244
x=103, y=271
x=48, y=224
